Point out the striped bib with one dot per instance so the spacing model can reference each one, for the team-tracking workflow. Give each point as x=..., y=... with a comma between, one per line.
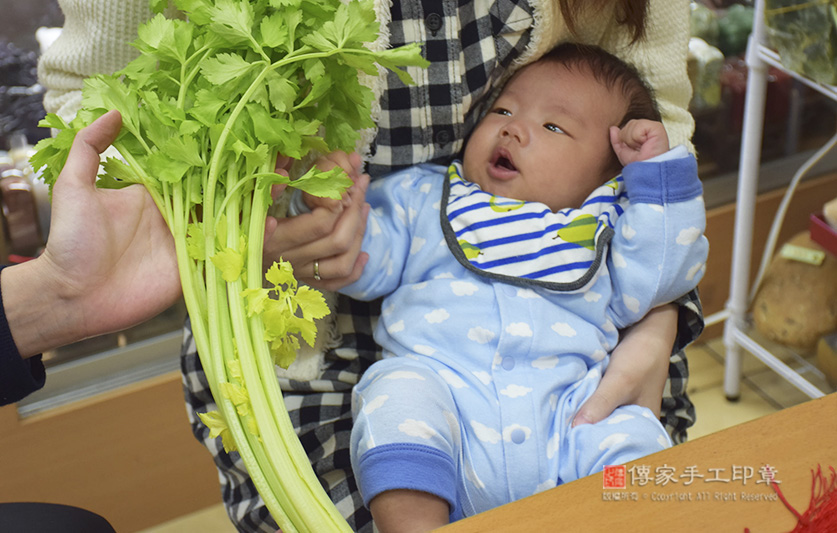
x=525, y=243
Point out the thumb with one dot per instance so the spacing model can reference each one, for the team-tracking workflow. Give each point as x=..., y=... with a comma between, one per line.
x=598, y=406
x=83, y=160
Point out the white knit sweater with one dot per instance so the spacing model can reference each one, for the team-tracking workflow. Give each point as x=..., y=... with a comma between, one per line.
x=94, y=40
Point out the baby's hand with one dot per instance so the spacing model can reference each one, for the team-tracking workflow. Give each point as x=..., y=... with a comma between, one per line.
x=351, y=163
x=638, y=140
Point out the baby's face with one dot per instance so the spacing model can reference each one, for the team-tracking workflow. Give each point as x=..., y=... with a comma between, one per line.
x=547, y=137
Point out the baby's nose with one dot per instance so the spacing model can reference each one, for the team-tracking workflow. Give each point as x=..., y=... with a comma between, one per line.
x=515, y=130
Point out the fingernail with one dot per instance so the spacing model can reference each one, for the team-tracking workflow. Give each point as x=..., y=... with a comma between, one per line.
x=580, y=419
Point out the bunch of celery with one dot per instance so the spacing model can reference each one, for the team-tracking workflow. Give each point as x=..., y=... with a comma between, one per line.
x=206, y=108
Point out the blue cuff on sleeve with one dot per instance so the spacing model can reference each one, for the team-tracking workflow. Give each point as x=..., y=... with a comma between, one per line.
x=407, y=466
x=675, y=153
x=669, y=181
x=18, y=377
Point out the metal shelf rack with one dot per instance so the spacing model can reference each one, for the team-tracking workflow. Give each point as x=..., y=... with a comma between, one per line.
x=737, y=334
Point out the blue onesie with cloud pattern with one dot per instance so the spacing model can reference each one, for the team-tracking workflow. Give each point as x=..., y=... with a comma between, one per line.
x=497, y=321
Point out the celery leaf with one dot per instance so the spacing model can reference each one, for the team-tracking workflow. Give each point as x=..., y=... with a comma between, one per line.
x=224, y=68
x=311, y=302
x=326, y=184
x=218, y=426
x=230, y=262
x=281, y=275
x=195, y=242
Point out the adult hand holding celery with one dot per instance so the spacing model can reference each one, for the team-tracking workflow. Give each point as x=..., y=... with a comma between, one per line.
x=206, y=108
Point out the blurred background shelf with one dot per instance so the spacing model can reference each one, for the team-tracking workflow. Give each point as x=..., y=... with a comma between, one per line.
x=738, y=332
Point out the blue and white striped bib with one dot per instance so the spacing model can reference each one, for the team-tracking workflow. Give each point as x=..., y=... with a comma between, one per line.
x=525, y=243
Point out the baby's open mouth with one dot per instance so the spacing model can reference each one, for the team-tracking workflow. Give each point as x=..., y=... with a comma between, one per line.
x=502, y=160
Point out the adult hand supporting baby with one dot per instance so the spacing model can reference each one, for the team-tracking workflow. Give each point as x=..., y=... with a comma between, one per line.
x=638, y=368
x=330, y=235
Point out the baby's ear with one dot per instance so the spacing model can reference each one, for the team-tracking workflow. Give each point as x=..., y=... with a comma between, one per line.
x=613, y=132
x=614, y=167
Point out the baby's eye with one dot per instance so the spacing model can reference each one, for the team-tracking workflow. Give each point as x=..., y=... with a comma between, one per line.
x=501, y=111
x=553, y=128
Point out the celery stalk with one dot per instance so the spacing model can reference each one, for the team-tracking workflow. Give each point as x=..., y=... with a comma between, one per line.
x=207, y=107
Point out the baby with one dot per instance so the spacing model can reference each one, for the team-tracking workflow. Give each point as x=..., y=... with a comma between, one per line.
x=506, y=279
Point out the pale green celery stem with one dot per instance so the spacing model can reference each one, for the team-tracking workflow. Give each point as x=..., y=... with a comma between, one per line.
x=211, y=348
x=259, y=48
x=239, y=189
x=246, y=210
x=325, y=517
x=213, y=283
x=175, y=210
x=248, y=446
x=187, y=80
x=197, y=270
x=284, y=510
x=148, y=182
x=193, y=290
x=213, y=358
x=210, y=190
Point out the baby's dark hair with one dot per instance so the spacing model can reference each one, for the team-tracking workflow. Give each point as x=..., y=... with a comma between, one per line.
x=613, y=73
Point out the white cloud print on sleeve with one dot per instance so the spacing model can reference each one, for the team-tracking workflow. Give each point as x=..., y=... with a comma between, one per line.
x=688, y=236
x=546, y=362
x=417, y=428
x=423, y=349
x=485, y=433
x=631, y=303
x=374, y=227
x=452, y=379
x=396, y=327
x=612, y=440
x=375, y=403
x=695, y=270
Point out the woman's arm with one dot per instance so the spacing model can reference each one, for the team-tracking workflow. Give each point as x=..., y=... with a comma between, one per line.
x=638, y=367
